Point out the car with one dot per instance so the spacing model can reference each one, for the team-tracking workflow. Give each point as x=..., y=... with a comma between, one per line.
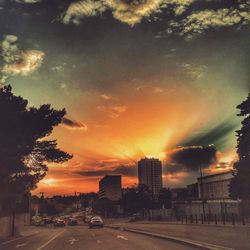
x=47, y=220
x=87, y=219
x=72, y=222
x=96, y=221
x=59, y=223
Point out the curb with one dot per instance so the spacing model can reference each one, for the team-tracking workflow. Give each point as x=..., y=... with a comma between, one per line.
x=194, y=224
x=192, y=243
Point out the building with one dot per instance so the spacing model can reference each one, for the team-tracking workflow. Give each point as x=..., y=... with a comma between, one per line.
x=150, y=174
x=210, y=195
x=214, y=186
x=110, y=187
x=192, y=191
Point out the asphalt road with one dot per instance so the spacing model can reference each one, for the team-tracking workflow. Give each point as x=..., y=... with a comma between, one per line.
x=236, y=237
x=81, y=237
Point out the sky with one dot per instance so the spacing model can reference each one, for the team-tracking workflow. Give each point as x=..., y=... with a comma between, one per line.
x=138, y=78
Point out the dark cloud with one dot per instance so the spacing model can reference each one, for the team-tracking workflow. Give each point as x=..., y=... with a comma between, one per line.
x=191, y=158
x=217, y=135
x=29, y=1
x=120, y=170
x=72, y=124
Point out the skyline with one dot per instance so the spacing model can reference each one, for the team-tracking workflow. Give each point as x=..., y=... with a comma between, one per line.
x=131, y=87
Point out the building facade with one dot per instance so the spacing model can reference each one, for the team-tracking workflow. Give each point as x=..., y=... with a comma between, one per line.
x=215, y=186
x=110, y=187
x=150, y=174
x=212, y=197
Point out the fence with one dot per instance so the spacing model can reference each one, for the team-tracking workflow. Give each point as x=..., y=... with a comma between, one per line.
x=209, y=212
x=213, y=219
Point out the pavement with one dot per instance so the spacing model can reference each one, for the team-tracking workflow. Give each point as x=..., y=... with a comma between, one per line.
x=81, y=237
x=221, y=236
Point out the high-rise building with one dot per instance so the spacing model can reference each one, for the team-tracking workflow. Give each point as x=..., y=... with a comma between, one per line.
x=110, y=187
x=150, y=174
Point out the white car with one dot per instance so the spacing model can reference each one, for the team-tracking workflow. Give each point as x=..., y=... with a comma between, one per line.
x=96, y=221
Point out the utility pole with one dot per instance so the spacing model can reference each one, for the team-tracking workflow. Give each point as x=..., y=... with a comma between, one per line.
x=201, y=190
x=13, y=215
x=42, y=197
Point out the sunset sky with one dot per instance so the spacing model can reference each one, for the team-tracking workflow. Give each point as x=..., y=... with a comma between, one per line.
x=137, y=78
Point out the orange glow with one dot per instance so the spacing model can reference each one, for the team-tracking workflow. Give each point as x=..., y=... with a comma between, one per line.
x=134, y=123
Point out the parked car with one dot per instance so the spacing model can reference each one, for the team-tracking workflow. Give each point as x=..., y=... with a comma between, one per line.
x=59, y=223
x=96, y=221
x=37, y=221
x=47, y=220
x=87, y=219
x=72, y=222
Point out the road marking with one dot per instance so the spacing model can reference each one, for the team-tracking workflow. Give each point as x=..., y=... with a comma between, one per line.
x=53, y=238
x=21, y=245
x=72, y=241
x=121, y=237
x=98, y=241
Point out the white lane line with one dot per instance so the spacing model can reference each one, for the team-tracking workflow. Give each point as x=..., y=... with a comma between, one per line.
x=121, y=237
x=53, y=238
x=21, y=245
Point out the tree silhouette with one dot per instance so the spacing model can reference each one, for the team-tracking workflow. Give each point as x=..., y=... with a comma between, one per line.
x=165, y=198
x=104, y=206
x=240, y=184
x=24, y=153
x=136, y=199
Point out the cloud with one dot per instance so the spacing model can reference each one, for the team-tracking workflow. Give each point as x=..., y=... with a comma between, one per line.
x=16, y=61
x=124, y=170
x=130, y=12
x=190, y=158
x=194, y=71
x=216, y=135
x=30, y=60
x=77, y=10
x=184, y=17
x=119, y=109
x=113, y=111
x=199, y=21
x=107, y=97
x=72, y=124
x=28, y=1
x=158, y=90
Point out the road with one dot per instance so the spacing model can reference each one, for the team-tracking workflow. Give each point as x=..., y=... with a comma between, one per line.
x=81, y=237
x=236, y=237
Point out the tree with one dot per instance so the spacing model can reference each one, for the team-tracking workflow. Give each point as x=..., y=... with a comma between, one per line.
x=104, y=206
x=24, y=153
x=129, y=201
x=137, y=199
x=165, y=198
x=240, y=184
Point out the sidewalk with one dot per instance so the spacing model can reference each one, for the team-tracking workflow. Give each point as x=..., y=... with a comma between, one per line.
x=25, y=231
x=228, y=236
x=219, y=224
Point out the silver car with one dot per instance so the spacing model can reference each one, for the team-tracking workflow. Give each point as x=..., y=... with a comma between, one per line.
x=96, y=221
